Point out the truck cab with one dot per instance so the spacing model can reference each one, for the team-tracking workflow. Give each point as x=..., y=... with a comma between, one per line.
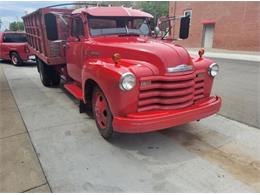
x=131, y=81
x=14, y=47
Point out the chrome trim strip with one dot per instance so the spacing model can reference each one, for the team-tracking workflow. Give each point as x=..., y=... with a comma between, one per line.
x=180, y=68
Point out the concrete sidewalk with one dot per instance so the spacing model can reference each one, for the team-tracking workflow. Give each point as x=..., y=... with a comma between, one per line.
x=20, y=170
x=227, y=54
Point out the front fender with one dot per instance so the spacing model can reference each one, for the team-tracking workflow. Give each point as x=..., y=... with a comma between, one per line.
x=107, y=75
x=202, y=64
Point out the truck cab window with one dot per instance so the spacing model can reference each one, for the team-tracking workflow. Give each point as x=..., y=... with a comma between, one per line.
x=102, y=26
x=77, y=27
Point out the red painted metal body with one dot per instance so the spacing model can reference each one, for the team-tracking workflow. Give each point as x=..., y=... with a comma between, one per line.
x=160, y=98
x=161, y=119
x=6, y=48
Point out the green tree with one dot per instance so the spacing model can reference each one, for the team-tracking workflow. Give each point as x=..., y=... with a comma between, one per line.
x=16, y=26
x=156, y=8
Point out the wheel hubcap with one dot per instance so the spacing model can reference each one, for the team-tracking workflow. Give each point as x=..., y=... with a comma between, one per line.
x=14, y=59
x=101, y=110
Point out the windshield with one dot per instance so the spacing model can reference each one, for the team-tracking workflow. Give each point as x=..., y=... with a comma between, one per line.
x=14, y=38
x=100, y=26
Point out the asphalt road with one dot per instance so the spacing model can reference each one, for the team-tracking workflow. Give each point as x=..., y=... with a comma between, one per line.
x=239, y=85
x=213, y=155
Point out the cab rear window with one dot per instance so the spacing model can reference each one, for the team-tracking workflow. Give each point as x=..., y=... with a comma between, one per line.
x=14, y=38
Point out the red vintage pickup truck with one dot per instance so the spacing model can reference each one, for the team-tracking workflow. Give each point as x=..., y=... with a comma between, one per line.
x=14, y=47
x=130, y=79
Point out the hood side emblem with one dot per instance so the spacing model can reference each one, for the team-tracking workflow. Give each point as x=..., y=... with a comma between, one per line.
x=180, y=68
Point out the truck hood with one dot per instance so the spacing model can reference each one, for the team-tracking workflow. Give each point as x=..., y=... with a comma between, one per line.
x=157, y=54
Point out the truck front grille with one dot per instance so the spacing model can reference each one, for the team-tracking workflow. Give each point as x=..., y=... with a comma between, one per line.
x=170, y=92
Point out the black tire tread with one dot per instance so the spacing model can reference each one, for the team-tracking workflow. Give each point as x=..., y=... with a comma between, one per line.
x=50, y=76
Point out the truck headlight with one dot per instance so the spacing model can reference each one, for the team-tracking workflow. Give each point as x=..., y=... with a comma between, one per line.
x=213, y=69
x=127, y=81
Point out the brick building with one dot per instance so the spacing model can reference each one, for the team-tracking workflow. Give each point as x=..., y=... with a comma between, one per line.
x=226, y=24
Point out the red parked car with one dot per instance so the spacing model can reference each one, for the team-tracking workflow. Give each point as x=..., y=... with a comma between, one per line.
x=131, y=80
x=14, y=47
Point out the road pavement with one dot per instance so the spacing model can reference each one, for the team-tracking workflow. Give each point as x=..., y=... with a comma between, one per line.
x=239, y=85
x=213, y=155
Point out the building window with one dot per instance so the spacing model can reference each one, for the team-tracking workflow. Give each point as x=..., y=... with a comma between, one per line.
x=188, y=12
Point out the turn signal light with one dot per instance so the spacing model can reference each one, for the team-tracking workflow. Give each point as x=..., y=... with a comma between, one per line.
x=116, y=58
x=201, y=52
x=26, y=49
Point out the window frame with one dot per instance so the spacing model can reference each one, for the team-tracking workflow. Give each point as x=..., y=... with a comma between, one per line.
x=188, y=11
x=115, y=18
x=72, y=33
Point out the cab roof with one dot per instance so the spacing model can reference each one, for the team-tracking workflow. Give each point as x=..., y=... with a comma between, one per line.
x=112, y=12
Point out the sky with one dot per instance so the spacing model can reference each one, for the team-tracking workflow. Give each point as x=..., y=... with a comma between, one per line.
x=13, y=10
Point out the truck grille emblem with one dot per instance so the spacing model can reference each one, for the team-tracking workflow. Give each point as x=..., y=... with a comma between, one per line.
x=180, y=68
x=146, y=83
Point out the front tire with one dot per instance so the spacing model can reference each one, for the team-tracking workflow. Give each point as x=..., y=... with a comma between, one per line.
x=49, y=76
x=102, y=114
x=16, y=59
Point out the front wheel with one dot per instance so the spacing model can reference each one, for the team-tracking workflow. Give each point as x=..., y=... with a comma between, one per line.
x=49, y=76
x=102, y=114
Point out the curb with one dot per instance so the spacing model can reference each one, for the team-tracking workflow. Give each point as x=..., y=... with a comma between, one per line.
x=231, y=56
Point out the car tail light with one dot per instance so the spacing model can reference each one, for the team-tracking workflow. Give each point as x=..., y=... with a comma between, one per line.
x=26, y=49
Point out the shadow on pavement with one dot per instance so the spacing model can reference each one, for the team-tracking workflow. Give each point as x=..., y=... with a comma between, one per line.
x=25, y=64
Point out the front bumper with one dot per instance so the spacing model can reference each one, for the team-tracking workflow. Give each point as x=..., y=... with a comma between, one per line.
x=32, y=57
x=160, y=119
x=27, y=56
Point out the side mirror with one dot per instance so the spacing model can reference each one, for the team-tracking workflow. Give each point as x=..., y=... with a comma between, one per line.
x=184, y=27
x=4, y=39
x=157, y=31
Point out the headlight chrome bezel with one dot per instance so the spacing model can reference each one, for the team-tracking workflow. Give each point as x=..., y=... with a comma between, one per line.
x=211, y=68
x=122, y=79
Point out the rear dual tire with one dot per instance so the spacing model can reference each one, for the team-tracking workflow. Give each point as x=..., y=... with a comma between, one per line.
x=49, y=76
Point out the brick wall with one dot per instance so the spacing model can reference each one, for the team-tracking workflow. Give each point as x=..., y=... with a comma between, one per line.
x=236, y=24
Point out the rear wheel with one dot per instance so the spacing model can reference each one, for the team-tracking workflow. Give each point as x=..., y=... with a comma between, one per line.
x=49, y=76
x=16, y=59
x=102, y=114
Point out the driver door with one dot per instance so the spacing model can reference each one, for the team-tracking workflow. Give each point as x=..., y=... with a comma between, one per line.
x=74, y=51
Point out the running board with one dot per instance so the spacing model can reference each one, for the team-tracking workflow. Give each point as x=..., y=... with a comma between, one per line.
x=74, y=90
